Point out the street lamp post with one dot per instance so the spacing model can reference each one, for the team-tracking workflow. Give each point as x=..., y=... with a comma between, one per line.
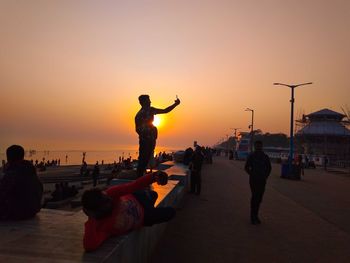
x=226, y=154
x=235, y=137
x=251, y=129
x=291, y=146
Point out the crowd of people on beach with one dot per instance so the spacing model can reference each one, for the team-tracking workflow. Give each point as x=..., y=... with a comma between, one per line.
x=40, y=166
x=162, y=157
x=116, y=167
x=16, y=171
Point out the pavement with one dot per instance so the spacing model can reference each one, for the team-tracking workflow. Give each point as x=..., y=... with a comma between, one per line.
x=302, y=221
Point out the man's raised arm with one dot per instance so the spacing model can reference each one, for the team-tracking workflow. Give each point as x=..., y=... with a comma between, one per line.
x=168, y=109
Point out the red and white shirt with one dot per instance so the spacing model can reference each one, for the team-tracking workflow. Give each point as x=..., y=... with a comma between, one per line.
x=127, y=215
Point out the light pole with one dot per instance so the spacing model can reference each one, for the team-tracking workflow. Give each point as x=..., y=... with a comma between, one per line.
x=251, y=129
x=235, y=134
x=226, y=145
x=291, y=146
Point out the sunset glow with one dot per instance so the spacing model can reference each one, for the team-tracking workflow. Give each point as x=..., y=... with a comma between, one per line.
x=71, y=72
x=157, y=120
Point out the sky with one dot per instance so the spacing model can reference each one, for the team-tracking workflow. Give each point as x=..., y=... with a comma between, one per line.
x=71, y=71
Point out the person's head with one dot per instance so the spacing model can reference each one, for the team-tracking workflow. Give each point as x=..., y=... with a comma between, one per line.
x=15, y=153
x=144, y=100
x=96, y=203
x=258, y=146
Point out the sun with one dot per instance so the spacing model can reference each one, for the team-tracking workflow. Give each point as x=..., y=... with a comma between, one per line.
x=157, y=121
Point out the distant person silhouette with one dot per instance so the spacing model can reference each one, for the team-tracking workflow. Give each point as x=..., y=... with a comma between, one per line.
x=57, y=195
x=83, y=169
x=258, y=166
x=20, y=189
x=325, y=162
x=187, y=156
x=195, y=167
x=95, y=173
x=3, y=164
x=147, y=131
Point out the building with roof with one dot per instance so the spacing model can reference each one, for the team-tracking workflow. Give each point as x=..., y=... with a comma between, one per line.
x=324, y=132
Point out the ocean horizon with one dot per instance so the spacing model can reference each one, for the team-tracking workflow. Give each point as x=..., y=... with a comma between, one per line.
x=74, y=157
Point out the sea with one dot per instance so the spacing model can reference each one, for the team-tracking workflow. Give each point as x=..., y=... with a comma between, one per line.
x=74, y=157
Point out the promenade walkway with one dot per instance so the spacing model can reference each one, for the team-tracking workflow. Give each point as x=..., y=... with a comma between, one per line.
x=302, y=221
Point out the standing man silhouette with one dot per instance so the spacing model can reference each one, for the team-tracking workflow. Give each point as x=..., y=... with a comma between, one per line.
x=147, y=131
x=258, y=166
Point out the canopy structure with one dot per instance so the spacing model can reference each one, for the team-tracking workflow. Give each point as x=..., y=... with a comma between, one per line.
x=324, y=133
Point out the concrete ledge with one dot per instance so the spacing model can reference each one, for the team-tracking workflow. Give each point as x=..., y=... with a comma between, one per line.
x=53, y=235
x=164, y=166
x=56, y=236
x=58, y=204
x=139, y=245
x=179, y=172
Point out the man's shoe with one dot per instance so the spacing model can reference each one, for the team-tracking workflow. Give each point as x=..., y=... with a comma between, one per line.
x=255, y=221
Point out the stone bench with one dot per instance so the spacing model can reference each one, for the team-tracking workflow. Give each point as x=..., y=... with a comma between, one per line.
x=165, y=165
x=58, y=204
x=56, y=236
x=178, y=171
x=69, y=179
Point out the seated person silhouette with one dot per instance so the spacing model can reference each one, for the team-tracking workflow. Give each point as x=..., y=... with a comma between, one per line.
x=57, y=195
x=122, y=209
x=20, y=189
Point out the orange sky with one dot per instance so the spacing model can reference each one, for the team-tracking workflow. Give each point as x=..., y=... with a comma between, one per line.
x=71, y=71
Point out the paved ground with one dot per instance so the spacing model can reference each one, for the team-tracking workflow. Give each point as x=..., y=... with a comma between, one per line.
x=303, y=221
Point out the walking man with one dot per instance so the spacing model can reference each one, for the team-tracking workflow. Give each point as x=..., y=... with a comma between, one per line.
x=147, y=131
x=258, y=166
x=196, y=170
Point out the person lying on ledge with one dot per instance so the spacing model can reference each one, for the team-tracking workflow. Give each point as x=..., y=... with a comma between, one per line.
x=122, y=208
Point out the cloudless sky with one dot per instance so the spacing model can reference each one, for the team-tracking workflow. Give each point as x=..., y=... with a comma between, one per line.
x=71, y=71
